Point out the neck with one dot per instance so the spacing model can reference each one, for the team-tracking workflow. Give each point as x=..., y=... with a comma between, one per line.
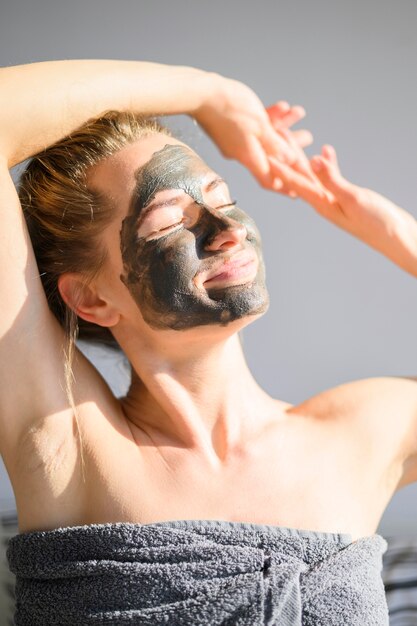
x=201, y=396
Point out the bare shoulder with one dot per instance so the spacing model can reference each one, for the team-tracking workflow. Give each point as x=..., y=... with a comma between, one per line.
x=55, y=452
x=33, y=394
x=380, y=411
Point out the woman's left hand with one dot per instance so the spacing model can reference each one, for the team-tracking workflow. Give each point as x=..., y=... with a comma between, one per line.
x=363, y=213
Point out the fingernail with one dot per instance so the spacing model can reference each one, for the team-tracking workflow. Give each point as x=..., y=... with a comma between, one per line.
x=292, y=194
x=277, y=184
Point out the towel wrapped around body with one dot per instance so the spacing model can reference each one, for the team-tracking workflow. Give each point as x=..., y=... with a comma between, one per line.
x=197, y=573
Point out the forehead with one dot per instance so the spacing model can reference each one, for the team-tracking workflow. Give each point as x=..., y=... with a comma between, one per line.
x=116, y=177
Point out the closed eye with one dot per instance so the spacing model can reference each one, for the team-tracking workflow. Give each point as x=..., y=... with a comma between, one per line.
x=223, y=206
x=166, y=229
x=161, y=230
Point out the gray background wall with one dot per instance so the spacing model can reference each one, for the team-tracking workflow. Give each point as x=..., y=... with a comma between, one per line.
x=339, y=311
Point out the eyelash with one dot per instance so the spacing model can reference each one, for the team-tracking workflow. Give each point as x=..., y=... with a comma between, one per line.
x=161, y=230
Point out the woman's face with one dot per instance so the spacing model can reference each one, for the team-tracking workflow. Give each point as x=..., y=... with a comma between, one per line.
x=189, y=255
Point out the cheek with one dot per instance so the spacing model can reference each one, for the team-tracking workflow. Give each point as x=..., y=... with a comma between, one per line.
x=172, y=259
x=254, y=235
x=134, y=257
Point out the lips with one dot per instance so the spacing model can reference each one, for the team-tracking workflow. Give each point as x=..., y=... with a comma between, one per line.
x=233, y=269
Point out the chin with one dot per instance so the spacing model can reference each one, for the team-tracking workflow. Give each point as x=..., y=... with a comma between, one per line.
x=221, y=330
x=241, y=323
x=237, y=304
x=235, y=313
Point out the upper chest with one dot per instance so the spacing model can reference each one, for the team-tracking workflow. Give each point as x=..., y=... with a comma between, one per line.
x=301, y=474
x=305, y=472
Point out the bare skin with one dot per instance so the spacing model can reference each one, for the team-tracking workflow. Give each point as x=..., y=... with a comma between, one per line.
x=195, y=438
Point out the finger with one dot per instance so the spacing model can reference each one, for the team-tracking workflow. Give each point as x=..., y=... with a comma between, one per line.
x=256, y=159
x=294, y=138
x=301, y=162
x=303, y=186
x=278, y=185
x=285, y=118
x=329, y=153
x=257, y=162
x=294, y=115
x=276, y=112
x=279, y=108
x=328, y=173
x=303, y=137
x=278, y=144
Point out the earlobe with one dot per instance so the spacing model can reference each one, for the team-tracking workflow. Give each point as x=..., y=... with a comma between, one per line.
x=85, y=302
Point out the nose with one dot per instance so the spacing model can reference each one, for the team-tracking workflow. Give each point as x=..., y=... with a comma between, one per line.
x=227, y=233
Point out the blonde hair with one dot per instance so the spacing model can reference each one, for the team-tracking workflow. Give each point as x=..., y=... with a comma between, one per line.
x=65, y=217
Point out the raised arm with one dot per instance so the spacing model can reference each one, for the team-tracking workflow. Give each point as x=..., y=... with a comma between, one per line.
x=41, y=103
x=363, y=213
x=383, y=411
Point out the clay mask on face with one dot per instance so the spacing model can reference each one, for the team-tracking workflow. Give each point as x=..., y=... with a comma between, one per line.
x=160, y=272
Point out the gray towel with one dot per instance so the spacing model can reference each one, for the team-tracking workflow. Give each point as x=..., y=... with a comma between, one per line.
x=197, y=573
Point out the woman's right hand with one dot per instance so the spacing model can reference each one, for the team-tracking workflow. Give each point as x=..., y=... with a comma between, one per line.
x=243, y=129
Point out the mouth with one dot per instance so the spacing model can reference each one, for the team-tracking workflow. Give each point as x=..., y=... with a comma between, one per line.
x=238, y=270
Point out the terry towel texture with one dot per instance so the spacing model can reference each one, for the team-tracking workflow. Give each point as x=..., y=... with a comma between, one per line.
x=197, y=573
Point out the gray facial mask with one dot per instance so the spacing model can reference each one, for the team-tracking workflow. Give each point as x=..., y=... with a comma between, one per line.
x=159, y=272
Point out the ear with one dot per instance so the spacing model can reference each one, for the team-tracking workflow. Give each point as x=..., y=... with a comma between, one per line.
x=85, y=302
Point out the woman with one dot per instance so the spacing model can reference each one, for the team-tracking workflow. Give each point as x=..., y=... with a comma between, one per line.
x=197, y=498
